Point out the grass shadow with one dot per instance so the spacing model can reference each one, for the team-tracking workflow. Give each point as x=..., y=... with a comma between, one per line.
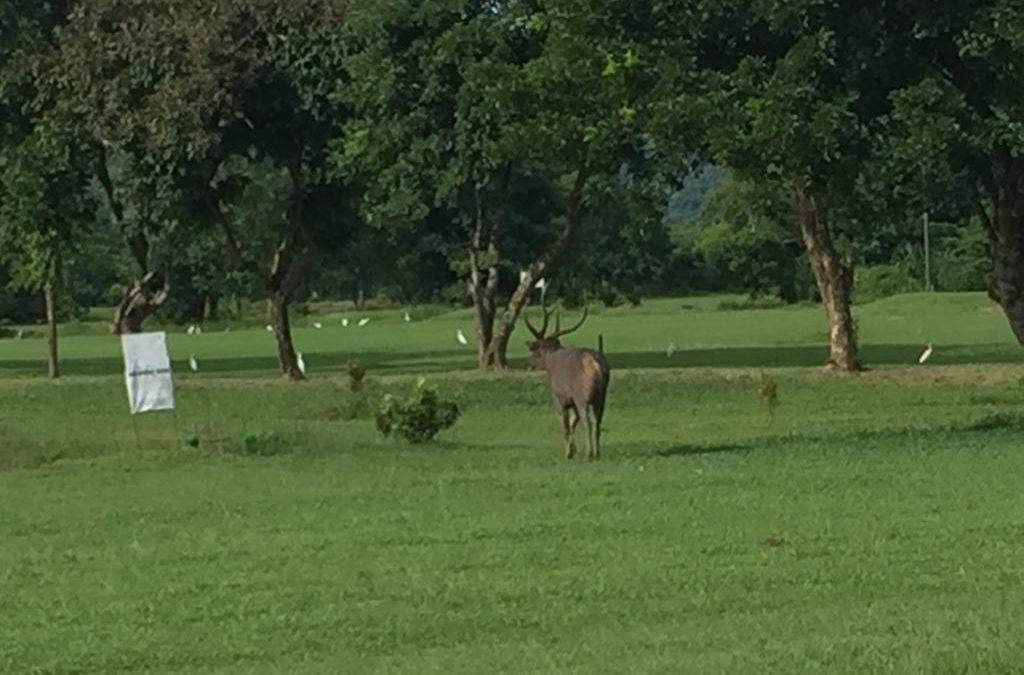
x=687, y=450
x=436, y=361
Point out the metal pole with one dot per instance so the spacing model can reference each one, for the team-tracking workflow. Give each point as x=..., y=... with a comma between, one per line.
x=138, y=440
x=927, y=257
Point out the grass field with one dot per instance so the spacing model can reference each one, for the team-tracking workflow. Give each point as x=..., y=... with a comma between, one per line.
x=895, y=494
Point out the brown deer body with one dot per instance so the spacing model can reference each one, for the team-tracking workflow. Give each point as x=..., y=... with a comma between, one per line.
x=578, y=380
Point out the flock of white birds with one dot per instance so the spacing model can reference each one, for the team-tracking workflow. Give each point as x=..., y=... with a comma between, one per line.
x=196, y=329
x=460, y=337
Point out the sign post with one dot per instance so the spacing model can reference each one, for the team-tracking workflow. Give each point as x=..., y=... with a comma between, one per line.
x=148, y=375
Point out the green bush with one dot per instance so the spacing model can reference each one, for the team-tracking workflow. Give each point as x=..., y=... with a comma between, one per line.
x=416, y=419
x=356, y=375
x=961, y=262
x=882, y=281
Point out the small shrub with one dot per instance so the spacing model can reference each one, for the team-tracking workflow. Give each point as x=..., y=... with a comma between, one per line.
x=763, y=302
x=264, y=444
x=356, y=374
x=417, y=419
x=769, y=393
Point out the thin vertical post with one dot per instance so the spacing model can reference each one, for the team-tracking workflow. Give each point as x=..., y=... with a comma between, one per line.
x=927, y=255
x=135, y=427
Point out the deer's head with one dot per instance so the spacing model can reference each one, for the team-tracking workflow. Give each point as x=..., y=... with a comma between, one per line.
x=542, y=343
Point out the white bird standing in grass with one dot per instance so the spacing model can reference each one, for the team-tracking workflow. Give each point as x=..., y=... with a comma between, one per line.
x=407, y=317
x=318, y=325
x=301, y=362
x=199, y=329
x=671, y=350
x=363, y=322
x=927, y=354
x=20, y=334
x=270, y=329
x=461, y=337
x=193, y=364
x=344, y=322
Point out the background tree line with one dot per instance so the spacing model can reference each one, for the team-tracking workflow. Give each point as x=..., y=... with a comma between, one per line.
x=170, y=158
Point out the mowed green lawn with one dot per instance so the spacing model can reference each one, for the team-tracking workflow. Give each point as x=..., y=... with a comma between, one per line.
x=895, y=496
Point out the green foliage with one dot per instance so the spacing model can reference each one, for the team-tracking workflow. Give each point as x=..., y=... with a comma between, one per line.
x=417, y=419
x=962, y=260
x=742, y=233
x=883, y=281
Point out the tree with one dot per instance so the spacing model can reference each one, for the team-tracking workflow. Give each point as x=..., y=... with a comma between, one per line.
x=42, y=209
x=496, y=120
x=43, y=199
x=795, y=100
x=142, y=87
x=286, y=113
x=959, y=118
x=172, y=98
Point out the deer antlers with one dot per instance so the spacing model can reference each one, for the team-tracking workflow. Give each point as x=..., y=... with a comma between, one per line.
x=541, y=334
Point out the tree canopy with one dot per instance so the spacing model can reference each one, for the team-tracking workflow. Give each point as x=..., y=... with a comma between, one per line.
x=459, y=151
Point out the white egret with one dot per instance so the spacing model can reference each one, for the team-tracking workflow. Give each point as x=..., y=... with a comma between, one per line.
x=461, y=337
x=301, y=362
x=407, y=317
x=193, y=363
x=927, y=354
x=344, y=322
x=318, y=325
x=270, y=329
x=363, y=322
x=671, y=350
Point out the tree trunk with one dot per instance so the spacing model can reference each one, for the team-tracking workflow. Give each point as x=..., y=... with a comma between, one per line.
x=1008, y=278
x=139, y=303
x=834, y=277
x=493, y=333
x=287, y=360
x=483, y=318
x=483, y=281
x=209, y=308
x=496, y=356
x=1005, y=224
x=51, y=337
x=496, y=353
x=286, y=271
x=147, y=293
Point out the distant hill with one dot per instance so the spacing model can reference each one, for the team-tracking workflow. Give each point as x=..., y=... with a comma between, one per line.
x=684, y=205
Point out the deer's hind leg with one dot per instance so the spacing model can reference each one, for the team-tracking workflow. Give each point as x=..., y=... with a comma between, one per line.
x=570, y=418
x=598, y=418
x=586, y=413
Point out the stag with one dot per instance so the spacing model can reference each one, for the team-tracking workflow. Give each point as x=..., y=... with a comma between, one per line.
x=577, y=378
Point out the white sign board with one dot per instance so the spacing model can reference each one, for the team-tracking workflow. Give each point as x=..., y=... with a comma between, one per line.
x=147, y=372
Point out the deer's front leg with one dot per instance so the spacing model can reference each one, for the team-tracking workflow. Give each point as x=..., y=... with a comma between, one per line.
x=569, y=420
